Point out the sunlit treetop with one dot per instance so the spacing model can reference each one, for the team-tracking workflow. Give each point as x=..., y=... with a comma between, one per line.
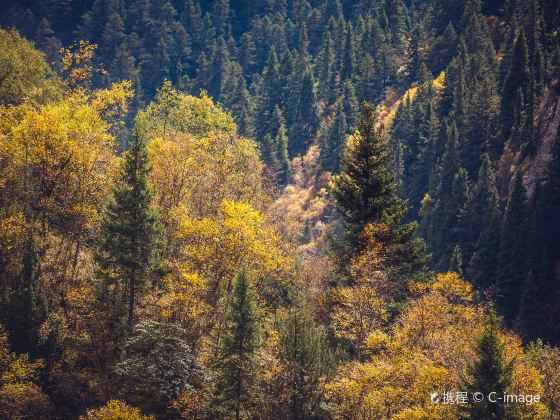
x=173, y=111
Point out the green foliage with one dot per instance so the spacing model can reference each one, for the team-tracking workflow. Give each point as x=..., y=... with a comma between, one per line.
x=237, y=364
x=173, y=112
x=306, y=361
x=490, y=372
x=512, y=256
x=366, y=192
x=24, y=73
x=158, y=366
x=129, y=249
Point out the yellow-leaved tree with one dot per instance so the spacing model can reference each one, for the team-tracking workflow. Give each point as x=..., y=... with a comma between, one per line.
x=427, y=351
x=208, y=183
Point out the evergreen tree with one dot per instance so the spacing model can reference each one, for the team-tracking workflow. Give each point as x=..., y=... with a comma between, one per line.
x=25, y=312
x=129, y=249
x=349, y=58
x=306, y=359
x=366, y=192
x=518, y=77
x=306, y=117
x=480, y=238
x=489, y=373
x=327, y=72
x=270, y=95
x=351, y=105
x=283, y=168
x=512, y=257
x=332, y=141
x=456, y=262
x=237, y=366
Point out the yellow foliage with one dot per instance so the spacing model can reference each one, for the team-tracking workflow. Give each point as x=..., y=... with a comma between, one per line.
x=116, y=410
x=173, y=112
x=58, y=159
x=76, y=62
x=238, y=234
x=427, y=351
x=20, y=397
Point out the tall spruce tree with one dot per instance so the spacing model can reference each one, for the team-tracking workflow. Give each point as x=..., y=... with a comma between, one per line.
x=129, y=249
x=307, y=360
x=490, y=372
x=237, y=366
x=512, y=257
x=306, y=117
x=25, y=311
x=518, y=77
x=480, y=235
x=366, y=192
x=332, y=141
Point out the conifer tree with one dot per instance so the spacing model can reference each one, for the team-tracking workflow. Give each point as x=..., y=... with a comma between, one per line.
x=305, y=117
x=129, y=249
x=237, y=366
x=456, y=262
x=349, y=58
x=490, y=372
x=306, y=359
x=332, y=141
x=25, y=313
x=366, y=192
x=327, y=74
x=480, y=219
x=518, y=77
x=351, y=105
x=283, y=168
x=512, y=271
x=270, y=95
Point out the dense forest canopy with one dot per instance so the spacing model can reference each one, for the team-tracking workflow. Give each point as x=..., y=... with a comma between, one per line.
x=279, y=209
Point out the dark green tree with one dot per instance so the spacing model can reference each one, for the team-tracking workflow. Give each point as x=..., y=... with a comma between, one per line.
x=131, y=237
x=237, y=365
x=480, y=237
x=25, y=311
x=305, y=117
x=349, y=58
x=332, y=140
x=366, y=192
x=518, y=77
x=307, y=360
x=512, y=258
x=456, y=261
x=490, y=372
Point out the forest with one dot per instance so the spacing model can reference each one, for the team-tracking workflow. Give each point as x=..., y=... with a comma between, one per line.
x=279, y=209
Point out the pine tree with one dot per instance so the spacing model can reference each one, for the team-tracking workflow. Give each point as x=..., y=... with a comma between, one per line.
x=129, y=249
x=327, y=71
x=490, y=372
x=349, y=58
x=306, y=116
x=270, y=95
x=220, y=69
x=332, y=141
x=306, y=360
x=283, y=168
x=25, y=312
x=351, y=105
x=480, y=236
x=366, y=192
x=237, y=366
x=456, y=262
x=518, y=77
x=512, y=270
